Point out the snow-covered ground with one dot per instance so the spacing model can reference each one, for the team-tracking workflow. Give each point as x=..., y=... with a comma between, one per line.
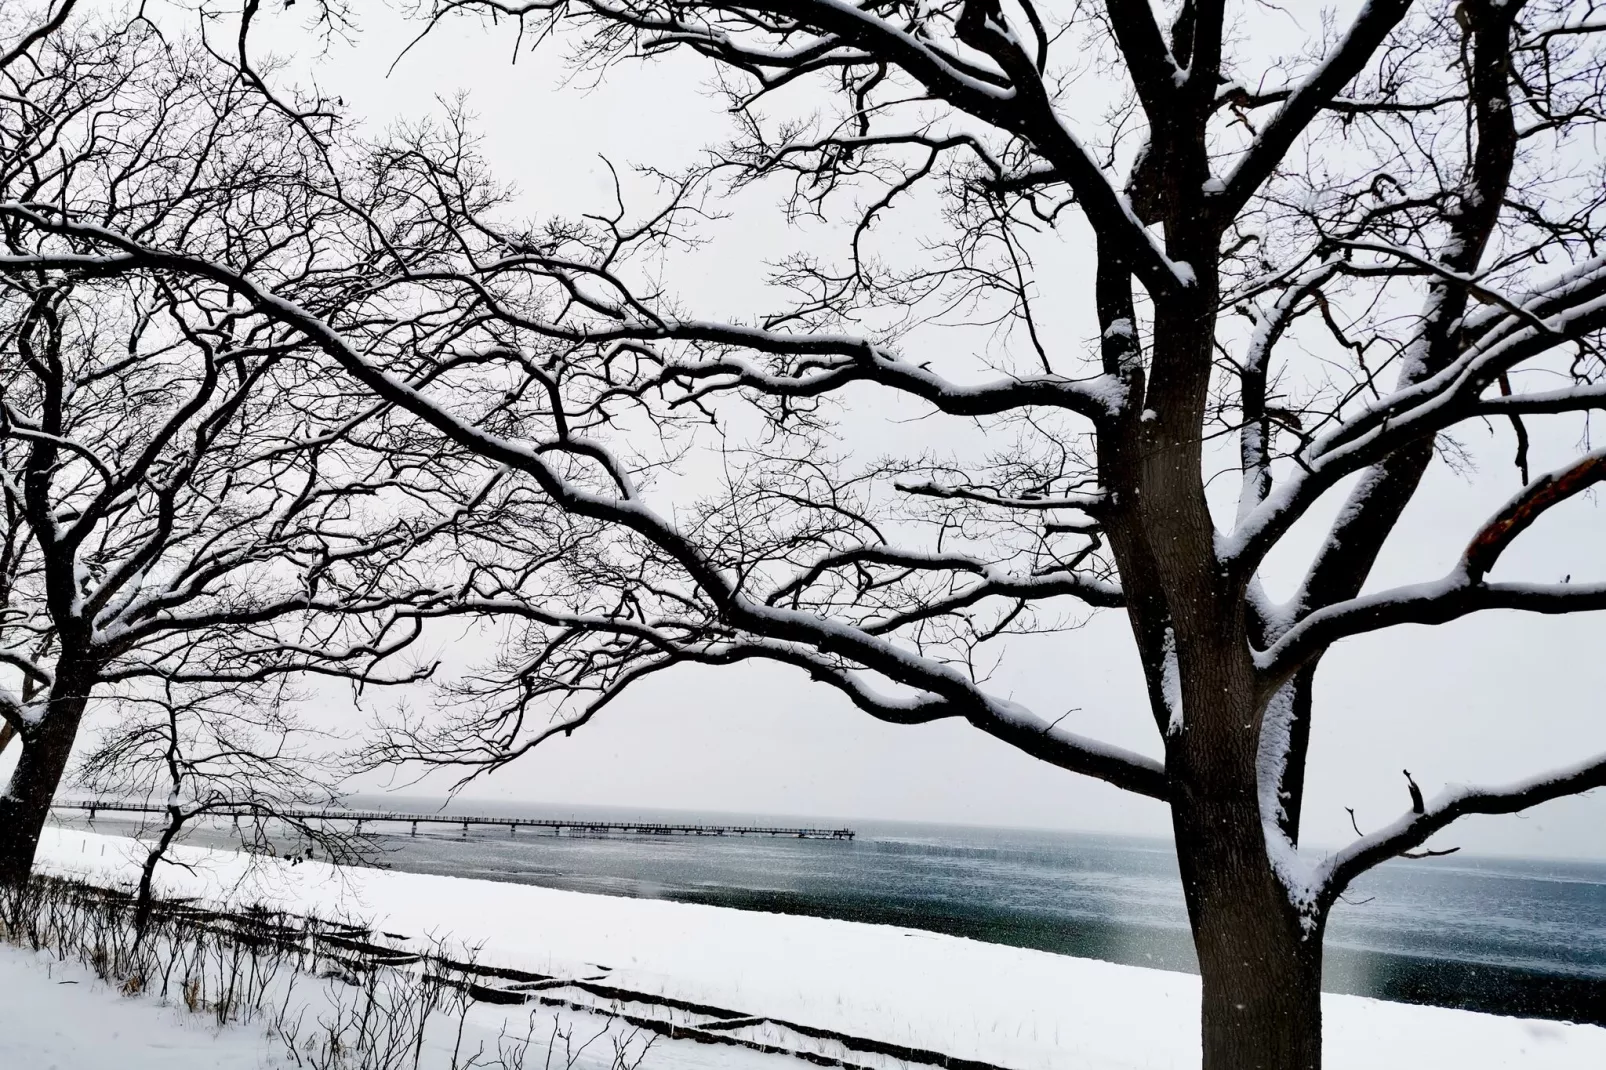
x=1012, y=1007
x=57, y=1016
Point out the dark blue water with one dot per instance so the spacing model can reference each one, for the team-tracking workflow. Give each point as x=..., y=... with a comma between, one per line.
x=1508, y=936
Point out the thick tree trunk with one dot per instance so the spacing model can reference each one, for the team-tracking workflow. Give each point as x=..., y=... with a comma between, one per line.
x=26, y=803
x=1260, y=966
x=1261, y=1006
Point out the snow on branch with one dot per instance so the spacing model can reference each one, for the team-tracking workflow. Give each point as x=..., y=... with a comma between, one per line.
x=1463, y=591
x=993, y=581
x=826, y=363
x=1087, y=503
x=489, y=737
x=1411, y=829
x=12, y=710
x=29, y=666
x=1439, y=602
x=1579, y=399
x=1568, y=308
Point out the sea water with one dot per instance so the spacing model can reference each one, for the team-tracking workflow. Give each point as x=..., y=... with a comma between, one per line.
x=1509, y=936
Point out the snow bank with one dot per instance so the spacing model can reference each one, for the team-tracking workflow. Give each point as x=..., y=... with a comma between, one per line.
x=1018, y=1008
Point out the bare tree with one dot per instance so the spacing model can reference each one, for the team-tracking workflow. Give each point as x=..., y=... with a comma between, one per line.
x=1398, y=217
x=189, y=505
x=215, y=755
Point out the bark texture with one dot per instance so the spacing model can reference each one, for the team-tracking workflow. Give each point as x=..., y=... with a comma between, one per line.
x=1259, y=964
x=26, y=804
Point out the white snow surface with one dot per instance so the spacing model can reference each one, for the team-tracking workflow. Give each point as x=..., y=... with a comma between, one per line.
x=1016, y=1008
x=1171, y=683
x=58, y=1016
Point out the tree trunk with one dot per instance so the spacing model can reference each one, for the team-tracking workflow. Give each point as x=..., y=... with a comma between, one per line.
x=1260, y=966
x=26, y=803
x=143, y=898
x=1261, y=1007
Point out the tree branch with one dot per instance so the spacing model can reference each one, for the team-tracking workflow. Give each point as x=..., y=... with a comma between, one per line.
x=1411, y=830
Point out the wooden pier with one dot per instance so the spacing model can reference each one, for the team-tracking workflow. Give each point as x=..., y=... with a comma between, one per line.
x=563, y=827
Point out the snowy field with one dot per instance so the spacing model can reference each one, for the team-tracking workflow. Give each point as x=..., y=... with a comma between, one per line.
x=59, y=1017
x=1012, y=1007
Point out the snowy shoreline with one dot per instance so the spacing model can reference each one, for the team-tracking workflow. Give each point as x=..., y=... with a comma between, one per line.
x=1011, y=1007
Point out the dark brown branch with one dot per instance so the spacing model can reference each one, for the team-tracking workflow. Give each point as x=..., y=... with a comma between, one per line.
x=1519, y=514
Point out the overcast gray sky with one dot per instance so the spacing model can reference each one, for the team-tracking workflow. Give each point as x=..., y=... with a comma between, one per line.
x=1489, y=698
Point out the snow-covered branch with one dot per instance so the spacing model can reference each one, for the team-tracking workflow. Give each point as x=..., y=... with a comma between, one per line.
x=1463, y=591
x=1439, y=602
x=825, y=364
x=1412, y=830
x=1570, y=308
